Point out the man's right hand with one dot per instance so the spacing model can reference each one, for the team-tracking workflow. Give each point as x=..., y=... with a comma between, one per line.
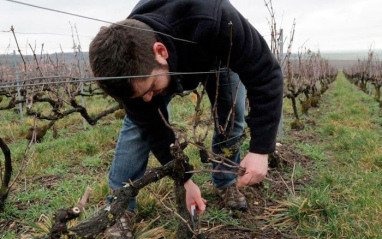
x=193, y=195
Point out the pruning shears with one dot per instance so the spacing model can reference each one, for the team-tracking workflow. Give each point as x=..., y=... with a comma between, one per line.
x=194, y=217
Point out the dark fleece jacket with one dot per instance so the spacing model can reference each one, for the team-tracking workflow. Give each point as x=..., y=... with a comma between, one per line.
x=206, y=23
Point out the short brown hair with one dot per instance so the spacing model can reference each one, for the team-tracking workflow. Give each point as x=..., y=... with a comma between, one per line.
x=122, y=51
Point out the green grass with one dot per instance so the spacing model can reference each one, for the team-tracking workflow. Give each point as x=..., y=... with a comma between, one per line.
x=343, y=201
x=341, y=198
x=59, y=169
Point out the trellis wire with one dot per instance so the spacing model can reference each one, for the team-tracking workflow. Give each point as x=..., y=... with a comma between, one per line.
x=89, y=79
x=99, y=20
x=43, y=33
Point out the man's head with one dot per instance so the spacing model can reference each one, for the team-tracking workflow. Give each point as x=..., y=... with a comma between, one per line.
x=123, y=51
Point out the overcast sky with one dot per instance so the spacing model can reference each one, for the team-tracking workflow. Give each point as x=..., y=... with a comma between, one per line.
x=330, y=25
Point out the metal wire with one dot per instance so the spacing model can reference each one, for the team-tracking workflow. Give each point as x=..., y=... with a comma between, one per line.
x=226, y=140
x=89, y=79
x=44, y=33
x=99, y=20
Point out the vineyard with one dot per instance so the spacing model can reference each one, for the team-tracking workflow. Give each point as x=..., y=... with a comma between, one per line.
x=58, y=132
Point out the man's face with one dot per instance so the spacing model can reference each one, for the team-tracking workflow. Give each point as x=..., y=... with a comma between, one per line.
x=152, y=86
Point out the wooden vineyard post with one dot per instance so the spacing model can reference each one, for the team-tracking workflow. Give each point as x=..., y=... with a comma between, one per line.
x=82, y=84
x=18, y=86
x=281, y=124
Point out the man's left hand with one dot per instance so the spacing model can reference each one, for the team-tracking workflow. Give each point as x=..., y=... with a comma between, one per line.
x=256, y=166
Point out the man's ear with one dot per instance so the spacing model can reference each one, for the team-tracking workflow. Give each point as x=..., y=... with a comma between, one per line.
x=160, y=51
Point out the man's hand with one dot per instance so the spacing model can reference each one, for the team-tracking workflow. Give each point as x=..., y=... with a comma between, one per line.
x=193, y=195
x=256, y=166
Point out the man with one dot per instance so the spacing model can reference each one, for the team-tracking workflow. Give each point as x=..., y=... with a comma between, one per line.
x=164, y=36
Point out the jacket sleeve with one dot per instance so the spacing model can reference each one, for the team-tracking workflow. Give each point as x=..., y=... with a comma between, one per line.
x=259, y=71
x=154, y=131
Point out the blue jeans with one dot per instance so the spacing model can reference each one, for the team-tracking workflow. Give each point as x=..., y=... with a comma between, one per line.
x=131, y=153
